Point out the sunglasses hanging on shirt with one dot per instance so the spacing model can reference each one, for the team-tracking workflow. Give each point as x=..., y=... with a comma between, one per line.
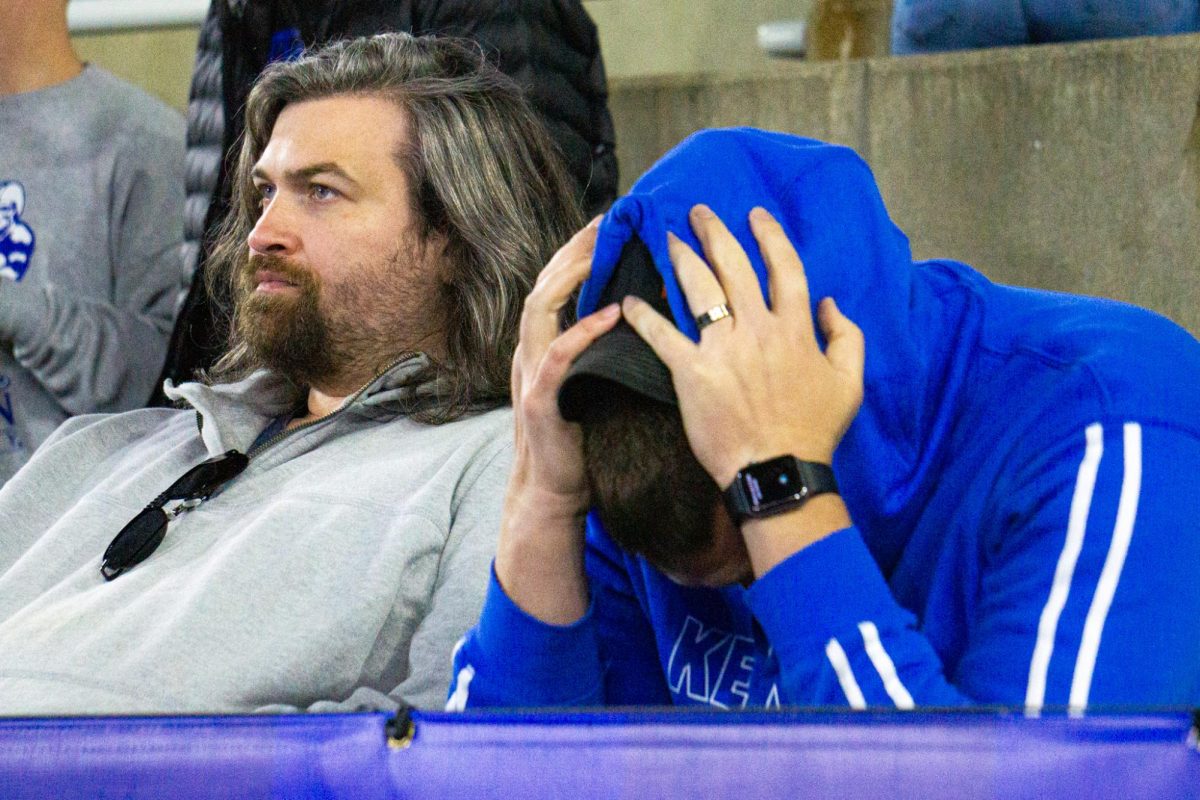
x=144, y=533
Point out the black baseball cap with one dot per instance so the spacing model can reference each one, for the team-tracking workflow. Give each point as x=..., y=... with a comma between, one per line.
x=621, y=357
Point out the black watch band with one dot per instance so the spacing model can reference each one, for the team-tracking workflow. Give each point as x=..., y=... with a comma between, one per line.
x=775, y=486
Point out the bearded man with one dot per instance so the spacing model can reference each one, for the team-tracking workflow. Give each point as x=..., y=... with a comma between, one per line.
x=313, y=528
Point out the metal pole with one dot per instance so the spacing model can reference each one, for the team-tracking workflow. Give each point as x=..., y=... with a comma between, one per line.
x=89, y=16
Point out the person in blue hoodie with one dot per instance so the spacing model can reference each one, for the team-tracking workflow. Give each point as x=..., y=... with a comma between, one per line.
x=908, y=486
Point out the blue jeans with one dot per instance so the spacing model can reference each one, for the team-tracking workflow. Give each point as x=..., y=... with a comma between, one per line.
x=923, y=26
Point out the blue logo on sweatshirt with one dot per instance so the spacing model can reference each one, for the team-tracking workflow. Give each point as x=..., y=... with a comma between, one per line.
x=16, y=238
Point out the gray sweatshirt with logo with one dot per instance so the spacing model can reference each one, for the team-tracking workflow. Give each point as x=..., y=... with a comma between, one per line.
x=91, y=267
x=336, y=572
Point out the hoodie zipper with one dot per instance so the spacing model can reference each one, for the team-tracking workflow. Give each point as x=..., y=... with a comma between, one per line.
x=279, y=437
x=254, y=451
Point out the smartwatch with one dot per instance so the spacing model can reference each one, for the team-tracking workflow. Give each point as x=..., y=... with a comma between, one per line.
x=773, y=487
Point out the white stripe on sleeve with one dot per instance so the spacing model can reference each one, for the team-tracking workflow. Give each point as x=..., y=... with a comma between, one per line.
x=1081, y=502
x=1131, y=488
x=884, y=666
x=462, y=689
x=845, y=675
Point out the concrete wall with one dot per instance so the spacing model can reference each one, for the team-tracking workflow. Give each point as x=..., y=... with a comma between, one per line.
x=660, y=37
x=158, y=61
x=639, y=38
x=1074, y=167
x=1071, y=167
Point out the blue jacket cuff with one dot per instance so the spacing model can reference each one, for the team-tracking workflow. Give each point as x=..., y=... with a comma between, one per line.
x=550, y=664
x=819, y=593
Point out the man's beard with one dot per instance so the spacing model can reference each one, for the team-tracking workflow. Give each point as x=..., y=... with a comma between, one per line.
x=284, y=331
x=340, y=343
x=341, y=334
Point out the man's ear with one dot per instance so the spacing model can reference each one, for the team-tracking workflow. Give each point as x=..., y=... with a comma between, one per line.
x=435, y=251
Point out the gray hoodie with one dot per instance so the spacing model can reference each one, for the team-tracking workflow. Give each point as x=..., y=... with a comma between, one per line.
x=337, y=571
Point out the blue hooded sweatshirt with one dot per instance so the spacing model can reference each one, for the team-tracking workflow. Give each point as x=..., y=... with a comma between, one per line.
x=1023, y=478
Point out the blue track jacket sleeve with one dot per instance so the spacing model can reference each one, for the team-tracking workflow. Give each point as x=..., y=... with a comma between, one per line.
x=510, y=659
x=1087, y=597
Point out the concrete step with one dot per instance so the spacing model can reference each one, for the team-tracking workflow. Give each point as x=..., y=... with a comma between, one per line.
x=1070, y=167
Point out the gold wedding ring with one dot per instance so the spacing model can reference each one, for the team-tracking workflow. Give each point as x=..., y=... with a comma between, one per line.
x=714, y=314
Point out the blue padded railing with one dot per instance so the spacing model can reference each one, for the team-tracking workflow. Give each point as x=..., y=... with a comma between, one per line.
x=636, y=754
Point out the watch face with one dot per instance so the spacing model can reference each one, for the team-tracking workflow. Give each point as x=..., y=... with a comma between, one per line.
x=772, y=483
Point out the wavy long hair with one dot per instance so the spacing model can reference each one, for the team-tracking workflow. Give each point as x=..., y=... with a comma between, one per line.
x=485, y=176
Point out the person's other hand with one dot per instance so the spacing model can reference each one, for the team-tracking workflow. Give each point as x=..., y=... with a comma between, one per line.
x=549, y=450
x=757, y=385
x=539, y=558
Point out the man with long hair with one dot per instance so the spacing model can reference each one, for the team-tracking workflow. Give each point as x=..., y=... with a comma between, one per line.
x=316, y=522
x=551, y=48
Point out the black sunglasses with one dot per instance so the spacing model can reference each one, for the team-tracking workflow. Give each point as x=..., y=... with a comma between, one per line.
x=145, y=532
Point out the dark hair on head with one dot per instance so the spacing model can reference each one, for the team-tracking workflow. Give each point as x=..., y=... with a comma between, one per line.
x=485, y=176
x=651, y=493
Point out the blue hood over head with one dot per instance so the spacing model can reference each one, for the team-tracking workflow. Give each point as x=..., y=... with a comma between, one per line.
x=1021, y=479
x=827, y=201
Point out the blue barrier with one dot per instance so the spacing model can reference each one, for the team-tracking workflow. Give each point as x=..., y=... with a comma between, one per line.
x=639, y=754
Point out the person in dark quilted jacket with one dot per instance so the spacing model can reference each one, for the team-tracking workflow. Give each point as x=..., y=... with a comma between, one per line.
x=549, y=46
